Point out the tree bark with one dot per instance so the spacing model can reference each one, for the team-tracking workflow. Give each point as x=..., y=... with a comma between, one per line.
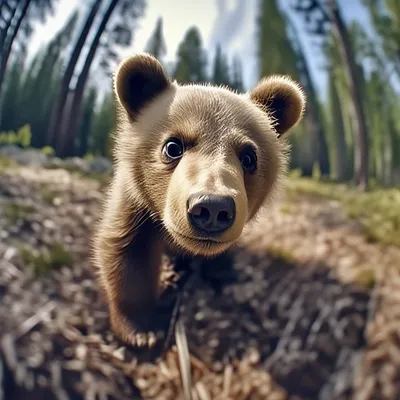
x=59, y=106
x=361, y=161
x=66, y=145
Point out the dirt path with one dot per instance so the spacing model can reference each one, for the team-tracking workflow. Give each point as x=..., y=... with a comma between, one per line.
x=298, y=315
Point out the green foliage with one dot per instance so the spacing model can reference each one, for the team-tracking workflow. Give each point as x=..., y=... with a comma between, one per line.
x=48, y=151
x=46, y=261
x=22, y=137
x=88, y=157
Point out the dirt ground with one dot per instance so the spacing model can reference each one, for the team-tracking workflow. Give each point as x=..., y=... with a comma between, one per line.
x=306, y=308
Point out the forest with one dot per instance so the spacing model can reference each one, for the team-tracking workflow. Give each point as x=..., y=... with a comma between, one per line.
x=61, y=100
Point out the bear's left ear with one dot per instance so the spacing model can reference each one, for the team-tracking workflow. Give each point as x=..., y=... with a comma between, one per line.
x=139, y=80
x=282, y=98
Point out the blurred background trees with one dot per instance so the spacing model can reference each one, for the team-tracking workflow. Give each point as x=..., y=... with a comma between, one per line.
x=64, y=92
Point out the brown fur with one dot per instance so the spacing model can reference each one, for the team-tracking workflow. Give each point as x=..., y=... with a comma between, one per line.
x=145, y=210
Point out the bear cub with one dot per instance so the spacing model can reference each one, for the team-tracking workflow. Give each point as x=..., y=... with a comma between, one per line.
x=193, y=164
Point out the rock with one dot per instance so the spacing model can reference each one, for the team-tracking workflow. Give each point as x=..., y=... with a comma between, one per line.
x=9, y=150
x=77, y=163
x=30, y=157
x=100, y=165
x=55, y=162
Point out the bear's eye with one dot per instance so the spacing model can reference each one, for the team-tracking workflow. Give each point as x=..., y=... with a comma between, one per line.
x=248, y=159
x=173, y=149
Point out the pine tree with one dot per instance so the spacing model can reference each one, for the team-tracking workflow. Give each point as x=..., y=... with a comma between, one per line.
x=12, y=95
x=86, y=122
x=101, y=138
x=191, y=59
x=237, y=75
x=276, y=53
x=220, y=74
x=156, y=44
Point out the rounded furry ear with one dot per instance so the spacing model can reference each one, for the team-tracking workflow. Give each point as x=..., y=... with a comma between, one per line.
x=282, y=98
x=137, y=81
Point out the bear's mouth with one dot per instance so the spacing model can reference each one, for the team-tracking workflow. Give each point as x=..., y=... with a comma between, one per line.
x=209, y=240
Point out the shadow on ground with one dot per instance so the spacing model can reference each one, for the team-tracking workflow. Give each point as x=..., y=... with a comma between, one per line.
x=301, y=325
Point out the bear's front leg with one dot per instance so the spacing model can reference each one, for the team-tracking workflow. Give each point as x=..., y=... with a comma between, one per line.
x=128, y=253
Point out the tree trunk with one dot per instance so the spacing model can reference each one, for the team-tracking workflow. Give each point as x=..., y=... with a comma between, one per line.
x=4, y=31
x=58, y=108
x=66, y=145
x=360, y=127
x=338, y=133
x=6, y=46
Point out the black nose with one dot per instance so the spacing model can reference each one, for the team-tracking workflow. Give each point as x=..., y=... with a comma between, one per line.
x=211, y=213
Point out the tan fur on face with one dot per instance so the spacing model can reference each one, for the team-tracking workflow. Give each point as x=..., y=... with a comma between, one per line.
x=216, y=124
x=146, y=209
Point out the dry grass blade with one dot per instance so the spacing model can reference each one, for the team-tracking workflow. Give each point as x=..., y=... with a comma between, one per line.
x=184, y=359
x=31, y=322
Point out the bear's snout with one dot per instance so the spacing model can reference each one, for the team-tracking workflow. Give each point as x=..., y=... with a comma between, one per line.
x=211, y=213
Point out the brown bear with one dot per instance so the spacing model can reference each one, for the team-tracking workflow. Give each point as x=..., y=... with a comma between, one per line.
x=193, y=164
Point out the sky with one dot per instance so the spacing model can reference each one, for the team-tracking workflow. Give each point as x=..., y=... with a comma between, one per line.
x=229, y=22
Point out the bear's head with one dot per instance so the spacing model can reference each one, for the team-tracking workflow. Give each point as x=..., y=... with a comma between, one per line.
x=201, y=160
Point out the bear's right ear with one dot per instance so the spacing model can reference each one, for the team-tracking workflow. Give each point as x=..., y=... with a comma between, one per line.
x=282, y=98
x=137, y=81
